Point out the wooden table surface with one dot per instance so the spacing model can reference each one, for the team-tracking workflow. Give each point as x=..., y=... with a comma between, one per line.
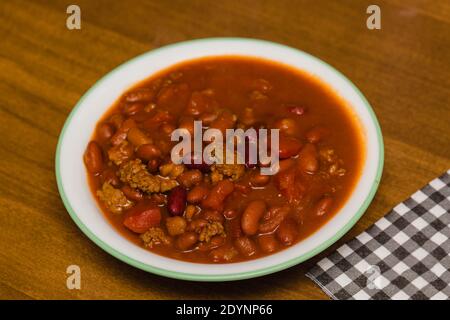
x=403, y=69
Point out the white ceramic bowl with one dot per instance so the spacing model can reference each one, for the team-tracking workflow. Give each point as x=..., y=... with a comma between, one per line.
x=77, y=197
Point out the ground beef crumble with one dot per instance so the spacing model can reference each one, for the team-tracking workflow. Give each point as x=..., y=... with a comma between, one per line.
x=120, y=153
x=210, y=230
x=135, y=173
x=154, y=236
x=114, y=199
x=233, y=171
x=171, y=170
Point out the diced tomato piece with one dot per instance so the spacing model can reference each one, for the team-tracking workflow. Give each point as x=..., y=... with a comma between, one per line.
x=290, y=185
x=142, y=217
x=289, y=147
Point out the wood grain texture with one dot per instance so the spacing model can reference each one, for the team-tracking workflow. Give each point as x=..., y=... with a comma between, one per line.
x=403, y=70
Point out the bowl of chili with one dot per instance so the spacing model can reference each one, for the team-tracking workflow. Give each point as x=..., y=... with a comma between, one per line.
x=218, y=222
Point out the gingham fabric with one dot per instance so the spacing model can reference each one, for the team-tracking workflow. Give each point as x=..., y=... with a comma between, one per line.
x=405, y=255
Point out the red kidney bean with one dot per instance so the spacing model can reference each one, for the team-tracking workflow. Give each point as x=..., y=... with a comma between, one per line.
x=140, y=95
x=259, y=180
x=316, y=134
x=159, y=198
x=285, y=180
x=323, y=206
x=286, y=164
x=166, y=94
x=176, y=201
x=234, y=228
x=148, y=152
x=109, y=176
x=267, y=243
x=208, y=117
x=186, y=241
x=165, y=146
x=153, y=165
x=93, y=158
x=230, y=213
x=159, y=117
x=131, y=109
x=251, y=216
x=246, y=246
x=214, y=200
x=242, y=187
x=143, y=216
x=132, y=194
x=288, y=147
x=287, y=232
x=197, y=224
x=215, y=242
x=273, y=218
x=190, y=178
x=121, y=133
x=105, y=131
x=308, y=161
x=197, y=194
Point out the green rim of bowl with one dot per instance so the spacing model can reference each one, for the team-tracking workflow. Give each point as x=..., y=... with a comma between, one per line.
x=234, y=276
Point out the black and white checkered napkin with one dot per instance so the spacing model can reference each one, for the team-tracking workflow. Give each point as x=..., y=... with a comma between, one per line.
x=405, y=255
